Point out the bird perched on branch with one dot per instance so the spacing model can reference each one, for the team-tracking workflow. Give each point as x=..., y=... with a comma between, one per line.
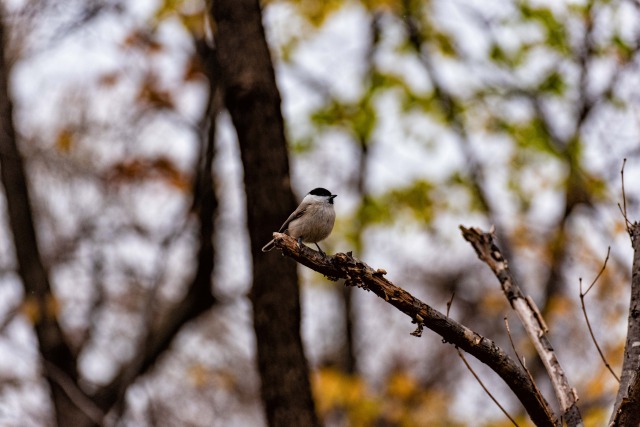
x=312, y=221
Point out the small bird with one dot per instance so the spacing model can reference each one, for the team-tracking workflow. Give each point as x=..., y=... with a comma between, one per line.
x=312, y=221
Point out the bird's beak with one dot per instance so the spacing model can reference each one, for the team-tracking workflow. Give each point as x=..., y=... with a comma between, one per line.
x=333, y=196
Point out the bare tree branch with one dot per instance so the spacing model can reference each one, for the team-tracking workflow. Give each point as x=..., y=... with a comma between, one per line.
x=626, y=410
x=359, y=274
x=586, y=317
x=530, y=317
x=199, y=298
x=53, y=344
x=486, y=390
x=515, y=351
x=450, y=302
x=73, y=392
x=624, y=201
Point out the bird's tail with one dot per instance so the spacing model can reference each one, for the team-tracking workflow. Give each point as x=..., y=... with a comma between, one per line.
x=268, y=246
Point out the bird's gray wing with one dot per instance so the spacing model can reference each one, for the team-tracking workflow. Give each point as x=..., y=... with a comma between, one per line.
x=295, y=215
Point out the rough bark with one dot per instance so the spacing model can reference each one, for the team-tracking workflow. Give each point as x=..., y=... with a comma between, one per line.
x=531, y=319
x=253, y=101
x=359, y=274
x=626, y=410
x=58, y=359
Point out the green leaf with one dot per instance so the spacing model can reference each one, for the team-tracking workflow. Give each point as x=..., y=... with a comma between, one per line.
x=444, y=43
x=625, y=50
x=359, y=118
x=553, y=84
x=556, y=31
x=414, y=200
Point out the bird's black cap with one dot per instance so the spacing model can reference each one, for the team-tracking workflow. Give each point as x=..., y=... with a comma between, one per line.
x=324, y=193
x=320, y=192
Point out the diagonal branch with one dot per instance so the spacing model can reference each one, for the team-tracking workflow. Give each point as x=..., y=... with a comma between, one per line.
x=515, y=351
x=484, y=387
x=359, y=274
x=586, y=316
x=199, y=298
x=530, y=317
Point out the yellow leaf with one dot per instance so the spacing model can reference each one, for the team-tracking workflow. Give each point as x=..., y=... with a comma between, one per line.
x=337, y=391
x=195, y=22
x=52, y=306
x=560, y=305
x=198, y=375
x=31, y=310
x=402, y=385
x=64, y=140
x=494, y=302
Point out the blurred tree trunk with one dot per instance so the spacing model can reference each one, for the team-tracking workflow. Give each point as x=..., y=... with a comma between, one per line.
x=73, y=406
x=58, y=361
x=253, y=101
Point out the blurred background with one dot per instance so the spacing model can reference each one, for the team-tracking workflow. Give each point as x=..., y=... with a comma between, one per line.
x=420, y=115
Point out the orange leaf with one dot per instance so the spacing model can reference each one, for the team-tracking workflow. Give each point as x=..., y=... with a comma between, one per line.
x=64, y=140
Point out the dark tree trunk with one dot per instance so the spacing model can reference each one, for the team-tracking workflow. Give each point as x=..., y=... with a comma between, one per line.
x=626, y=410
x=58, y=361
x=72, y=406
x=253, y=100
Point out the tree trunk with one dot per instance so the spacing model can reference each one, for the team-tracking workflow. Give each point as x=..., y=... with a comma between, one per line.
x=626, y=410
x=58, y=360
x=253, y=100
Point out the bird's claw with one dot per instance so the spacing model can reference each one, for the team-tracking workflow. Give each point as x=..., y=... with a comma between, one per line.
x=321, y=251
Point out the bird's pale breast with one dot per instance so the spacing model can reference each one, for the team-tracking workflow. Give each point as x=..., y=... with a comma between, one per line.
x=316, y=224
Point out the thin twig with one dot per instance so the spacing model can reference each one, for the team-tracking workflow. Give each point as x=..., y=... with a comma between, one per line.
x=450, y=302
x=513, y=346
x=363, y=276
x=504, y=411
x=489, y=252
x=520, y=359
x=8, y=318
x=604, y=266
x=624, y=199
x=586, y=317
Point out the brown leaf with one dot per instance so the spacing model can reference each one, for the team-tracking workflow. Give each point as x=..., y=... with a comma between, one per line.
x=65, y=139
x=152, y=95
x=159, y=168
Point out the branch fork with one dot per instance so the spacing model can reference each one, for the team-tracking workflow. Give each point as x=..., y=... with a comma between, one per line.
x=489, y=252
x=359, y=274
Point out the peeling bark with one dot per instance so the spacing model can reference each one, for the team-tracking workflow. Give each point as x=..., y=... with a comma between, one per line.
x=626, y=410
x=531, y=319
x=359, y=274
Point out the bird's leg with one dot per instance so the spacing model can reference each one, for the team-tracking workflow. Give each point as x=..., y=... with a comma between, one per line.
x=300, y=241
x=321, y=252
